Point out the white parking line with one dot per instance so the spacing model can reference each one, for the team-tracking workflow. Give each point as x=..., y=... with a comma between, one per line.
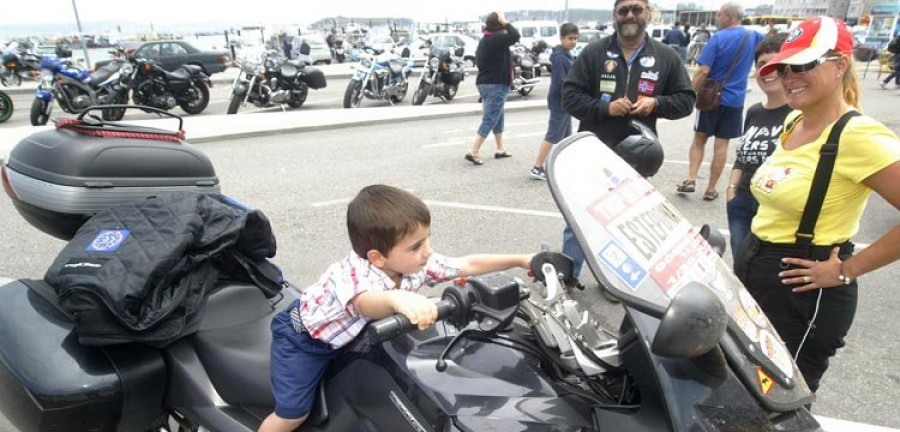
x=838, y=425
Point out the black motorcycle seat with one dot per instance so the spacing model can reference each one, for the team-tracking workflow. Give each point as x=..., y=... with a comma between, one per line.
x=180, y=74
x=100, y=75
x=233, y=344
x=299, y=64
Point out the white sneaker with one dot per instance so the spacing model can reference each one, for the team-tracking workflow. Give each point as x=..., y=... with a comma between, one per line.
x=883, y=85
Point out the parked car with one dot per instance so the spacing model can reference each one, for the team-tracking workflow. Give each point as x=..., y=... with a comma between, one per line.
x=453, y=40
x=379, y=42
x=318, y=50
x=585, y=36
x=173, y=54
x=531, y=31
x=417, y=51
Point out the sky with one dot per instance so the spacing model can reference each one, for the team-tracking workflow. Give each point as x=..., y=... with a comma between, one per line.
x=178, y=13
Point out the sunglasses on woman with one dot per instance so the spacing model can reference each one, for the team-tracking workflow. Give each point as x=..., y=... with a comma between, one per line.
x=635, y=9
x=782, y=69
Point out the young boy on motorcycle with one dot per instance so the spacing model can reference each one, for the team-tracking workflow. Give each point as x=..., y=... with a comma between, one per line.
x=390, y=261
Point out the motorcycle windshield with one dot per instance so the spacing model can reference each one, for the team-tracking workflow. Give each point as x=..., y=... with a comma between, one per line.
x=640, y=247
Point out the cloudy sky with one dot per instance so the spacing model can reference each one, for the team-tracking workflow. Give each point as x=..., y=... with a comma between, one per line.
x=162, y=13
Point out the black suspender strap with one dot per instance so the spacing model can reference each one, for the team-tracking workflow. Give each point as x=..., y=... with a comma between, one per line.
x=821, y=179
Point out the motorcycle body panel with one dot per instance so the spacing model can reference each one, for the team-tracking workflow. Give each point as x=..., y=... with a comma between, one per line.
x=49, y=382
x=644, y=251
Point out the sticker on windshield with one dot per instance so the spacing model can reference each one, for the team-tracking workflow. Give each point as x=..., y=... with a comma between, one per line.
x=765, y=381
x=745, y=323
x=624, y=266
x=777, y=352
x=753, y=309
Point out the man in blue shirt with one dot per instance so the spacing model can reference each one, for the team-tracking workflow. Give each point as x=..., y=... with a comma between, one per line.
x=724, y=123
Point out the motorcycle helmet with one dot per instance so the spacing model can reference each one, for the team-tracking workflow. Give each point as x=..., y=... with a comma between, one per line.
x=63, y=51
x=642, y=149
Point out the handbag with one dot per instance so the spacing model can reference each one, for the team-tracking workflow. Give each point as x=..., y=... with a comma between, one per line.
x=710, y=91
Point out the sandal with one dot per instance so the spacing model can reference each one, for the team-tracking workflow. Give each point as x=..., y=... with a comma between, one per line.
x=710, y=195
x=504, y=154
x=474, y=159
x=687, y=186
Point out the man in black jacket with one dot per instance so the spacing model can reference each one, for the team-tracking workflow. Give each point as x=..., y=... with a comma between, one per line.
x=627, y=76
x=622, y=77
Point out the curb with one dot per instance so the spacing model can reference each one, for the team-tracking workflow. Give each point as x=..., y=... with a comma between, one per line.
x=525, y=106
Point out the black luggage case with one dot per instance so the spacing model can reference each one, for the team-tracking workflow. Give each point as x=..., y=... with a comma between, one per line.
x=57, y=179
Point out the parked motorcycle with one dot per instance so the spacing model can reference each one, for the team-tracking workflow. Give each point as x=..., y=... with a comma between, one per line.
x=441, y=75
x=526, y=70
x=152, y=86
x=19, y=66
x=694, y=352
x=379, y=76
x=6, y=106
x=76, y=89
x=270, y=80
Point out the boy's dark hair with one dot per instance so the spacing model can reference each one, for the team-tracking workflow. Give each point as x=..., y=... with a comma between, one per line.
x=567, y=29
x=380, y=216
x=770, y=44
x=492, y=22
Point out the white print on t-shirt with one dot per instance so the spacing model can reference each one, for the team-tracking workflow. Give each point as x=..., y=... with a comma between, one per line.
x=757, y=143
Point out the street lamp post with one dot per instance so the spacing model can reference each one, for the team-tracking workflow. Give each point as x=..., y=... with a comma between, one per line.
x=87, y=59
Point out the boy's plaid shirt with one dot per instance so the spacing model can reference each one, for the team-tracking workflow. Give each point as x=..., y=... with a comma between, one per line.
x=326, y=311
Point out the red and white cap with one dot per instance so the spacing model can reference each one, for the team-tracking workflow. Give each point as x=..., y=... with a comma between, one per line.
x=811, y=40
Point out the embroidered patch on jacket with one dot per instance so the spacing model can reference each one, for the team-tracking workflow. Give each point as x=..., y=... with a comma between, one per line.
x=610, y=65
x=108, y=241
x=83, y=266
x=646, y=87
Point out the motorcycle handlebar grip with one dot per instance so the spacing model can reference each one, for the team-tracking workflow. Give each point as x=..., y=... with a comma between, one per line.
x=398, y=324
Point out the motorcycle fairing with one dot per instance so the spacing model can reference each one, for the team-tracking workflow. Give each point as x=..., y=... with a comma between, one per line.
x=640, y=247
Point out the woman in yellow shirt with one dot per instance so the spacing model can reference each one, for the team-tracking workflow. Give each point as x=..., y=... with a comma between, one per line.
x=809, y=291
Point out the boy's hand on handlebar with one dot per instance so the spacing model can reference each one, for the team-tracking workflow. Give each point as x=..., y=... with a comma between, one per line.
x=417, y=308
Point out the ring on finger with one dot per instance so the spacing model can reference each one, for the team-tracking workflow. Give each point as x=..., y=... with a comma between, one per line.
x=806, y=279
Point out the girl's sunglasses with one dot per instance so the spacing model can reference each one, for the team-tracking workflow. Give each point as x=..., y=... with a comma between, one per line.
x=635, y=9
x=782, y=69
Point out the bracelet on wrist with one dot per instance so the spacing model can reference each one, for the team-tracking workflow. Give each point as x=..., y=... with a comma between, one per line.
x=846, y=280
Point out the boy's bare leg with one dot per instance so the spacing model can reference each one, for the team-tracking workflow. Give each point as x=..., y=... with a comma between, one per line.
x=720, y=151
x=273, y=423
x=698, y=146
x=543, y=151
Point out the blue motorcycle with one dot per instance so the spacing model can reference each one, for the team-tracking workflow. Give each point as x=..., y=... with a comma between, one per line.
x=378, y=76
x=76, y=89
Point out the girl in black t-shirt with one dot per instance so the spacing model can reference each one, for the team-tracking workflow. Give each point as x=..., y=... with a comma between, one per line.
x=762, y=128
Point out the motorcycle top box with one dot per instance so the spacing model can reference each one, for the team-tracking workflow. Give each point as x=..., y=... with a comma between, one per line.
x=315, y=78
x=58, y=178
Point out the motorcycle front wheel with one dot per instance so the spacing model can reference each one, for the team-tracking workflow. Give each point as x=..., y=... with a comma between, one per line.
x=6, y=107
x=199, y=99
x=353, y=94
x=451, y=92
x=234, y=104
x=421, y=93
x=40, y=112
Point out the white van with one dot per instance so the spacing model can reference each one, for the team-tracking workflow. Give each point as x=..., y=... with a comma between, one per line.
x=531, y=31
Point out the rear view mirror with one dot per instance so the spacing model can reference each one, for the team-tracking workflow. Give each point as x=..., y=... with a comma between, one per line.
x=693, y=324
x=715, y=239
x=460, y=51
